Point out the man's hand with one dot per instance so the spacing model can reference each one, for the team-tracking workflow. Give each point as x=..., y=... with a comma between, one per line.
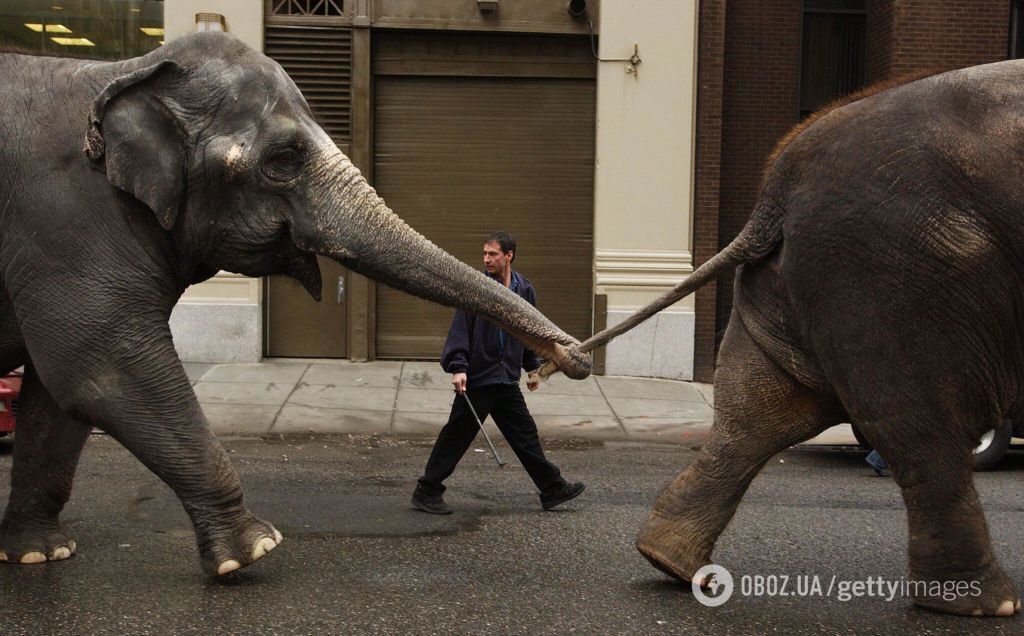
x=532, y=381
x=459, y=382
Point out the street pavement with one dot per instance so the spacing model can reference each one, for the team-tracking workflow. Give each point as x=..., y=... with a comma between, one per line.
x=329, y=452
x=413, y=399
x=357, y=559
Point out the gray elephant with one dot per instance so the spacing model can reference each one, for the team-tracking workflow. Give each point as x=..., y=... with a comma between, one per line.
x=199, y=156
x=880, y=281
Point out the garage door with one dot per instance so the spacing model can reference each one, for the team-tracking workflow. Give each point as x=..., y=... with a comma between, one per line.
x=458, y=157
x=319, y=60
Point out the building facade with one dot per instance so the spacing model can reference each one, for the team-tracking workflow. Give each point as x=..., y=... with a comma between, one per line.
x=621, y=140
x=570, y=124
x=766, y=64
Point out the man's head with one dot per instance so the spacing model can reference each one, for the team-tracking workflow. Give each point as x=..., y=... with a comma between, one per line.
x=499, y=252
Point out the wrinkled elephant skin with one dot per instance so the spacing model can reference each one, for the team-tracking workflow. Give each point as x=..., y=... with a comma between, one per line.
x=200, y=156
x=880, y=281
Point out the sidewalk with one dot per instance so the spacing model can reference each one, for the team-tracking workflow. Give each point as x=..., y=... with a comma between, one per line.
x=412, y=399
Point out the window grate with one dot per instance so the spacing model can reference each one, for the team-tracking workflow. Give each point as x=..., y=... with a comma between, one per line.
x=308, y=7
x=319, y=61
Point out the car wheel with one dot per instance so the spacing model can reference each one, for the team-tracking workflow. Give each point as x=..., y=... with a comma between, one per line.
x=992, y=446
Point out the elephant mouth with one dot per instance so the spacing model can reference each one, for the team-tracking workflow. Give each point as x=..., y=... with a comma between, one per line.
x=279, y=255
x=301, y=265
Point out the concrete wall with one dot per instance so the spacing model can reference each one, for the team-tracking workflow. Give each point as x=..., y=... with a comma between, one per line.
x=220, y=320
x=644, y=185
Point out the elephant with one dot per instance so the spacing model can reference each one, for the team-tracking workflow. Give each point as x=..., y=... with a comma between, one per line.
x=879, y=281
x=199, y=156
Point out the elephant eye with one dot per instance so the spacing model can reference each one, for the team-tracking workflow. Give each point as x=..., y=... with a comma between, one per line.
x=284, y=164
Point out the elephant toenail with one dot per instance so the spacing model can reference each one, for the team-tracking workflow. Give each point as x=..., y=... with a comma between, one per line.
x=277, y=536
x=228, y=566
x=266, y=544
x=3, y=556
x=72, y=546
x=33, y=557
x=60, y=553
x=1006, y=608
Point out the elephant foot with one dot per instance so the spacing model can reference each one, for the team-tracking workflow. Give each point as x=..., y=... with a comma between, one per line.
x=37, y=545
x=993, y=594
x=241, y=546
x=670, y=550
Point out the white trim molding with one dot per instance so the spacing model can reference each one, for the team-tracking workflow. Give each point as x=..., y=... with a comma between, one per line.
x=642, y=268
x=225, y=288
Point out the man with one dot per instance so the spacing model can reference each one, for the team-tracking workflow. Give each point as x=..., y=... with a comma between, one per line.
x=485, y=364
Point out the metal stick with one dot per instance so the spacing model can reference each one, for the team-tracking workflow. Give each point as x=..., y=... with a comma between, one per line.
x=484, y=431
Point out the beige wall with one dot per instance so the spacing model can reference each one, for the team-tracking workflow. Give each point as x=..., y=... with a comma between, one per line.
x=644, y=179
x=220, y=320
x=243, y=18
x=645, y=142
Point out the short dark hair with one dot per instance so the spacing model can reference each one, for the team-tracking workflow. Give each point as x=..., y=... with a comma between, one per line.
x=506, y=241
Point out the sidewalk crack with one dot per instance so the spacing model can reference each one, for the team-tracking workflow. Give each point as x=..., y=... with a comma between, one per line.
x=618, y=420
x=295, y=388
x=394, y=405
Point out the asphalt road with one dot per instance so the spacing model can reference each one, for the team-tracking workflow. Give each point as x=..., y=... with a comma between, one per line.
x=357, y=559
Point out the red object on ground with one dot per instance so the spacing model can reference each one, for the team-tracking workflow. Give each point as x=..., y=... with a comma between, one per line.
x=10, y=390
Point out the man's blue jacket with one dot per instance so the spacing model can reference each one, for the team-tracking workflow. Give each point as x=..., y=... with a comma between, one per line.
x=484, y=352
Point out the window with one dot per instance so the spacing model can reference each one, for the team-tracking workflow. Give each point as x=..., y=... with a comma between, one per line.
x=833, y=51
x=325, y=8
x=103, y=29
x=1016, y=29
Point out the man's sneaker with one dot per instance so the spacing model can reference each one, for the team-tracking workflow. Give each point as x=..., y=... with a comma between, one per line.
x=434, y=504
x=562, y=495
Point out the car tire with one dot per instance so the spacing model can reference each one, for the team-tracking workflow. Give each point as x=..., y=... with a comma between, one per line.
x=992, y=446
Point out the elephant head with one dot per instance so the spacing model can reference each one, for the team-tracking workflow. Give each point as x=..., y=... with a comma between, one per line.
x=219, y=143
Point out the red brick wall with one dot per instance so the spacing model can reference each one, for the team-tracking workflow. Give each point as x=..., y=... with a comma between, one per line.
x=880, y=40
x=909, y=36
x=740, y=122
x=710, y=74
x=761, y=102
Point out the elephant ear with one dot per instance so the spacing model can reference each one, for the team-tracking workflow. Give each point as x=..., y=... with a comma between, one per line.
x=135, y=138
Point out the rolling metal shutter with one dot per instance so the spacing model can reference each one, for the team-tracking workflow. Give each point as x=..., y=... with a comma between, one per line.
x=319, y=61
x=458, y=157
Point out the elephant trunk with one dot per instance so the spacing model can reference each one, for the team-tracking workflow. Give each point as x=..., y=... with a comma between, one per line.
x=356, y=228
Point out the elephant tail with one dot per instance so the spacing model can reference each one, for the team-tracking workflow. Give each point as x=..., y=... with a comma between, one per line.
x=757, y=239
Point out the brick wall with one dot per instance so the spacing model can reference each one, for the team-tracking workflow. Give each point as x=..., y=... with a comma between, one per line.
x=740, y=121
x=710, y=75
x=761, y=102
x=880, y=40
x=909, y=36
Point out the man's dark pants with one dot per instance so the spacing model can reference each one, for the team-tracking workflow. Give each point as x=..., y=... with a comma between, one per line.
x=506, y=406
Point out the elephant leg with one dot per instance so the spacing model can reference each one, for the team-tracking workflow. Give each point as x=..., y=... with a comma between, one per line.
x=952, y=568
x=759, y=411
x=155, y=415
x=128, y=381
x=46, y=454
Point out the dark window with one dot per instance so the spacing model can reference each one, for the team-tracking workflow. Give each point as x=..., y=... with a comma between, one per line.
x=833, y=51
x=112, y=29
x=1016, y=29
